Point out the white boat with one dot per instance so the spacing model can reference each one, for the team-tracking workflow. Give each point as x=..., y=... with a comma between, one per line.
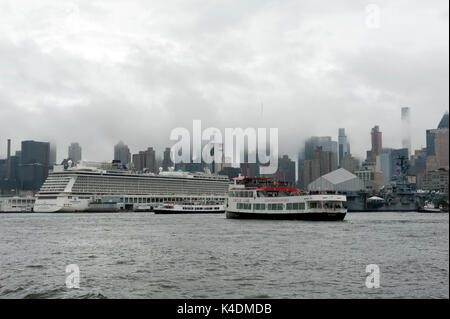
x=16, y=204
x=429, y=207
x=74, y=189
x=262, y=198
x=190, y=208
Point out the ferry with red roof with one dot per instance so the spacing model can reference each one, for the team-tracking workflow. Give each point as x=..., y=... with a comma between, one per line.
x=264, y=198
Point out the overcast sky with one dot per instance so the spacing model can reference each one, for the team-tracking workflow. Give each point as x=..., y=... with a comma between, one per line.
x=97, y=72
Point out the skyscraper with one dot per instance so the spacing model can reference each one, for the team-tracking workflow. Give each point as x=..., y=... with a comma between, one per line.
x=386, y=164
x=122, y=153
x=376, y=139
x=34, y=164
x=377, y=144
x=167, y=161
x=286, y=170
x=74, y=152
x=430, y=135
x=406, y=129
x=343, y=145
x=437, y=145
x=444, y=122
x=307, y=173
x=322, y=163
x=145, y=160
x=52, y=158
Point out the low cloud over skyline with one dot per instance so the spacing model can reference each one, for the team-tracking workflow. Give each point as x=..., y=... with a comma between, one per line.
x=96, y=72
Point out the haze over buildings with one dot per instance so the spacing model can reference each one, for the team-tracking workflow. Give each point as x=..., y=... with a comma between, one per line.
x=98, y=72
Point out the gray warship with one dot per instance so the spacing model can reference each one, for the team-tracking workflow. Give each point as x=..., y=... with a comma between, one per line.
x=399, y=196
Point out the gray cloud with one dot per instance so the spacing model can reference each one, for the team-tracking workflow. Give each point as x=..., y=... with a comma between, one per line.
x=97, y=72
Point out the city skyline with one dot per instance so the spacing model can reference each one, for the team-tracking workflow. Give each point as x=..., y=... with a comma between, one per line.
x=159, y=153
x=125, y=73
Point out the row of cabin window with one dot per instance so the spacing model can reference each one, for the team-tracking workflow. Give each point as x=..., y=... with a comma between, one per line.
x=275, y=206
x=241, y=194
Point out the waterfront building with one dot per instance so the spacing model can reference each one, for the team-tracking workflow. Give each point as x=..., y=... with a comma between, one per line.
x=436, y=180
x=74, y=152
x=371, y=171
x=122, y=153
x=337, y=180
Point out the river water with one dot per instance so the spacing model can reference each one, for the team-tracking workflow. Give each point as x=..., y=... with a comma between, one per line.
x=142, y=255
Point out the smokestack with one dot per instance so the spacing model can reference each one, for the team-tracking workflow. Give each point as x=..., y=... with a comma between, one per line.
x=8, y=160
x=9, y=148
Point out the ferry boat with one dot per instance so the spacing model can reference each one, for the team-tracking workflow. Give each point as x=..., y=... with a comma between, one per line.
x=263, y=198
x=429, y=207
x=75, y=188
x=190, y=208
x=16, y=204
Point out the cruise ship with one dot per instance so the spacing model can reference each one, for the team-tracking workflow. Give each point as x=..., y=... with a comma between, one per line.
x=75, y=188
x=263, y=198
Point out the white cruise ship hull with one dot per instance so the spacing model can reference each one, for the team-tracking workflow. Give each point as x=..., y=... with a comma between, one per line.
x=60, y=204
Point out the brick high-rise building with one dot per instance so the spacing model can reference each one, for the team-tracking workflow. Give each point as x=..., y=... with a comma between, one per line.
x=377, y=145
x=145, y=160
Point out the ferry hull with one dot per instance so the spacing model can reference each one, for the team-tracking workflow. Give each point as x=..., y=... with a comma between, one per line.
x=163, y=211
x=283, y=216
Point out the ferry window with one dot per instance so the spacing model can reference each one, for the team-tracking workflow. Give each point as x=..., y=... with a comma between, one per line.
x=244, y=206
x=314, y=205
x=301, y=205
x=275, y=206
x=290, y=206
x=260, y=206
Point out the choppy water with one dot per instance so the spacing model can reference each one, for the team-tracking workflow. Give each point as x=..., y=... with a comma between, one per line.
x=207, y=256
